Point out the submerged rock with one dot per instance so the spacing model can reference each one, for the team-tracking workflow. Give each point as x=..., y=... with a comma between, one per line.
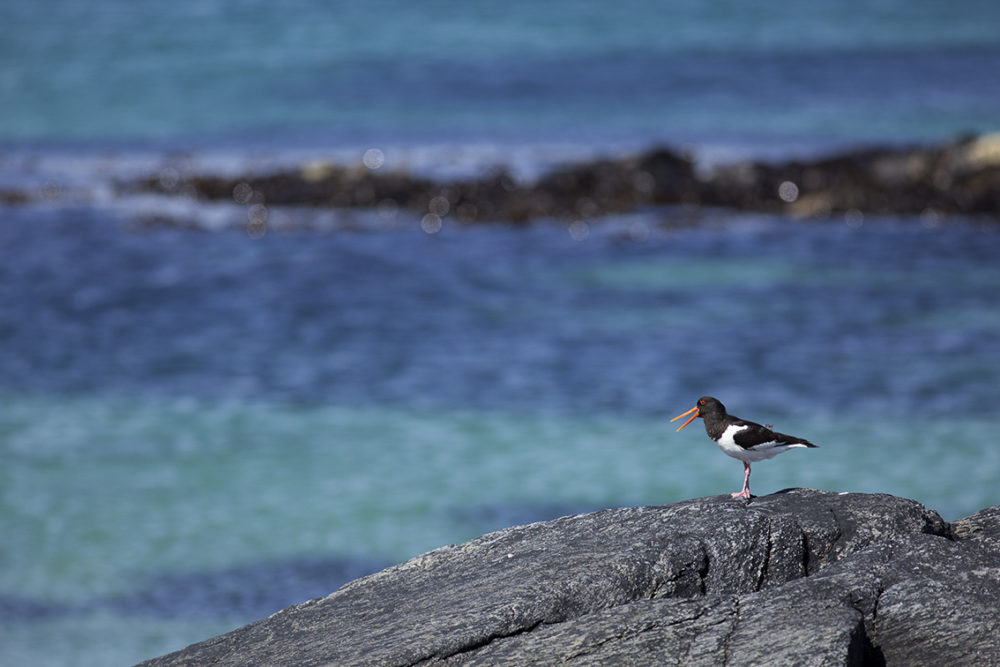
x=578, y=191
x=962, y=177
x=798, y=577
x=957, y=178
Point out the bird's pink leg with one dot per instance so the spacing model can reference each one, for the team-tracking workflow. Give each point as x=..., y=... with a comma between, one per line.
x=745, y=493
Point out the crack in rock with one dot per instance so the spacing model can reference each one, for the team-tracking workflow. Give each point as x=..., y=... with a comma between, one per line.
x=479, y=644
x=727, y=649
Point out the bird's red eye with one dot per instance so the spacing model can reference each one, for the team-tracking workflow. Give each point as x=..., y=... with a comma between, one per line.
x=701, y=402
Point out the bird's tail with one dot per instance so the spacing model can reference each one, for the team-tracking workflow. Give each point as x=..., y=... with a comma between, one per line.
x=792, y=441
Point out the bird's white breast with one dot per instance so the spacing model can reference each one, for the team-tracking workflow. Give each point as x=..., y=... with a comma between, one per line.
x=764, y=450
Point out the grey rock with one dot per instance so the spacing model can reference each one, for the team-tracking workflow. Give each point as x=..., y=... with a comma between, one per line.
x=713, y=630
x=983, y=526
x=800, y=577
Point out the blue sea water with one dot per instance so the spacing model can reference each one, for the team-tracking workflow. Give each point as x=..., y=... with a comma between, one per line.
x=198, y=427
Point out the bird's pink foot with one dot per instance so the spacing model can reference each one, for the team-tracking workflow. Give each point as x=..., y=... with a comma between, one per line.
x=745, y=493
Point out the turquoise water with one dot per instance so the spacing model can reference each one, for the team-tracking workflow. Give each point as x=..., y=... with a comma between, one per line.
x=198, y=428
x=276, y=489
x=217, y=428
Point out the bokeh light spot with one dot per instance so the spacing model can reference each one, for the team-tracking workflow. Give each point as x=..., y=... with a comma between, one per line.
x=638, y=231
x=788, y=191
x=467, y=212
x=431, y=223
x=257, y=215
x=854, y=218
x=644, y=183
x=587, y=207
x=579, y=230
x=256, y=231
x=931, y=218
x=439, y=206
x=242, y=193
x=170, y=178
x=52, y=191
x=388, y=208
x=373, y=158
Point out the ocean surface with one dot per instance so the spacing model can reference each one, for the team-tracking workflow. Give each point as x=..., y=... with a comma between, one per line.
x=199, y=427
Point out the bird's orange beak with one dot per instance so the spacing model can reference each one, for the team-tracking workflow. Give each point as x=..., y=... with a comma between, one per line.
x=689, y=412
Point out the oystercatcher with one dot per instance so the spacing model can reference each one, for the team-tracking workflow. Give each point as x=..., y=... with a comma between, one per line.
x=739, y=438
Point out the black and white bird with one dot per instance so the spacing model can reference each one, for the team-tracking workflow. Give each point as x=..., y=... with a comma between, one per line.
x=739, y=438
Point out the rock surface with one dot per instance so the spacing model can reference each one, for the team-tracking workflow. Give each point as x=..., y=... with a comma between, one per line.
x=799, y=577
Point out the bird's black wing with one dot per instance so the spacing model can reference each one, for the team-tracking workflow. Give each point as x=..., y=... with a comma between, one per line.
x=754, y=434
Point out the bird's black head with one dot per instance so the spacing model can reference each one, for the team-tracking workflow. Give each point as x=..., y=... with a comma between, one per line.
x=709, y=405
x=706, y=406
